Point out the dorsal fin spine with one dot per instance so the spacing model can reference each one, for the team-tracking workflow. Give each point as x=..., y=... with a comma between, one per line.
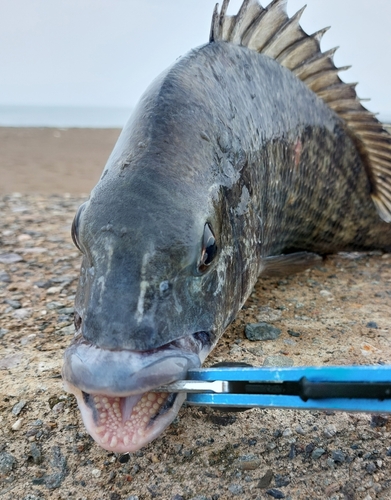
x=270, y=31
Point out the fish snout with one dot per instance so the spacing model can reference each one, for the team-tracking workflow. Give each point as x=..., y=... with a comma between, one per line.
x=115, y=388
x=123, y=372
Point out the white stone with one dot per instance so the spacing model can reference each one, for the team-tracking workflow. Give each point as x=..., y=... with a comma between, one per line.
x=17, y=425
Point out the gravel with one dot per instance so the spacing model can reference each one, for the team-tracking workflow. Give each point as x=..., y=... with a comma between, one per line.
x=317, y=453
x=204, y=452
x=273, y=492
x=7, y=462
x=18, y=407
x=262, y=331
x=278, y=361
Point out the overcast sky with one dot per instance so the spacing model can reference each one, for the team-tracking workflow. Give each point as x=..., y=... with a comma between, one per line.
x=106, y=52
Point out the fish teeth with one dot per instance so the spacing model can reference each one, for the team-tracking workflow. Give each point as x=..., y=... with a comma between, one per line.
x=105, y=438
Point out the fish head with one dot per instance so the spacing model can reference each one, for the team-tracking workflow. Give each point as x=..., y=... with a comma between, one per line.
x=165, y=264
x=151, y=304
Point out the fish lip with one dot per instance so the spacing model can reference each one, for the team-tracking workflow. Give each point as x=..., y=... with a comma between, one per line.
x=123, y=372
x=92, y=373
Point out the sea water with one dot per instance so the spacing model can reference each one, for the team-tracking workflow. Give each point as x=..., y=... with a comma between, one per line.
x=63, y=117
x=78, y=117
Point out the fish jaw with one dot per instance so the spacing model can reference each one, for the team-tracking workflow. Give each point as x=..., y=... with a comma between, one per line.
x=115, y=389
x=126, y=424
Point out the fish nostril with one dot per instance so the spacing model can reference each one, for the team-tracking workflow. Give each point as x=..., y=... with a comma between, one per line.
x=203, y=337
x=164, y=286
x=77, y=321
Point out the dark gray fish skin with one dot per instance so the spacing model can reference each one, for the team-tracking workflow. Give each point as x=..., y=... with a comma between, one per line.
x=227, y=137
x=165, y=180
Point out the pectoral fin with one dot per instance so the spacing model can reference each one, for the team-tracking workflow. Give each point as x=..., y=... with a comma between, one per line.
x=286, y=264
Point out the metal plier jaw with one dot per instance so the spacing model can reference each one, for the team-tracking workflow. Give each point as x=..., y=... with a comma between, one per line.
x=344, y=388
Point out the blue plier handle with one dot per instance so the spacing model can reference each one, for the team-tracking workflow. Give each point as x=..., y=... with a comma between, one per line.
x=345, y=388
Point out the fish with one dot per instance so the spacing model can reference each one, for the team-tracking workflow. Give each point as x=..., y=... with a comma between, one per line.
x=248, y=157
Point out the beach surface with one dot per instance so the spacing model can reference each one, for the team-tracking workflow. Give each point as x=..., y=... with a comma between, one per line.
x=52, y=160
x=335, y=314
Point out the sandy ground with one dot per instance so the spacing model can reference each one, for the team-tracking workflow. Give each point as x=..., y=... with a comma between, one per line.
x=45, y=160
x=337, y=313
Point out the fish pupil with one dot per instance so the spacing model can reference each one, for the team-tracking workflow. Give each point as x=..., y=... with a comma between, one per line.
x=209, y=249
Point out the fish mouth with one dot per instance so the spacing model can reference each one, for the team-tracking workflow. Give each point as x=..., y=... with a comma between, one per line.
x=115, y=389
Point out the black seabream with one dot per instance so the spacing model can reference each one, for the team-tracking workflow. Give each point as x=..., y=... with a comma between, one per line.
x=248, y=157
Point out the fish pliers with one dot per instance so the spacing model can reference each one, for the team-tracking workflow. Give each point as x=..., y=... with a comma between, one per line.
x=345, y=388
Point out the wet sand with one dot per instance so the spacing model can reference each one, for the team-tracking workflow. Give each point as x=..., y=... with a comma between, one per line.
x=53, y=161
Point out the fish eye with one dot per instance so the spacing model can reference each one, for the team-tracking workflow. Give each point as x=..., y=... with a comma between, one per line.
x=209, y=249
x=75, y=226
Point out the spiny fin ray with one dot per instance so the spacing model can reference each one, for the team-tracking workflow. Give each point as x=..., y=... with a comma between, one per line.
x=270, y=31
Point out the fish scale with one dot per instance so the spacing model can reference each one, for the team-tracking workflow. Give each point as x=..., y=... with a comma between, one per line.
x=247, y=158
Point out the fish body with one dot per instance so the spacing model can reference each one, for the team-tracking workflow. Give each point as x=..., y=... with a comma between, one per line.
x=230, y=168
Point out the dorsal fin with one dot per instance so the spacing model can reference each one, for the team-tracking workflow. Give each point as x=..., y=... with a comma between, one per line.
x=270, y=31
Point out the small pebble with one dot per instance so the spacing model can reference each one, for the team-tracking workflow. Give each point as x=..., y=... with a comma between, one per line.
x=309, y=449
x=53, y=290
x=278, y=361
x=371, y=467
x=54, y=305
x=7, y=462
x=3, y=331
x=273, y=492
x=10, y=258
x=67, y=330
x=249, y=464
x=18, y=407
x=5, y=277
x=28, y=338
x=23, y=237
x=379, y=420
x=325, y=293
x=96, y=472
x=281, y=481
x=330, y=430
x=338, y=456
x=10, y=361
x=123, y=459
x=58, y=407
x=235, y=489
x=330, y=463
x=43, y=284
x=266, y=479
x=299, y=429
x=287, y=432
x=257, y=351
x=293, y=334
x=22, y=313
x=17, y=425
x=371, y=324
x=317, y=453
x=36, y=454
x=15, y=304
x=262, y=331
